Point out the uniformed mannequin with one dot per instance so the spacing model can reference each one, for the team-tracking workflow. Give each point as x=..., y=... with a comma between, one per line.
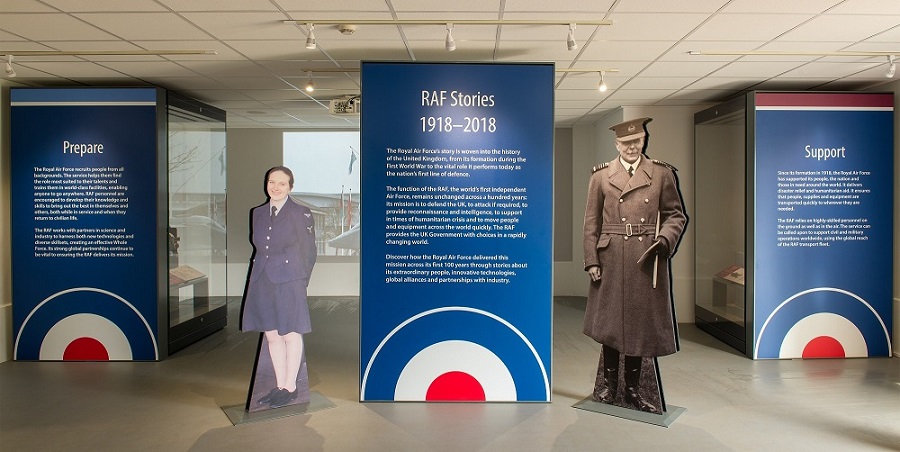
x=629, y=312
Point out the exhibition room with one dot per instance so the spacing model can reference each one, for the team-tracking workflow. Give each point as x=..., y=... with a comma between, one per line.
x=610, y=225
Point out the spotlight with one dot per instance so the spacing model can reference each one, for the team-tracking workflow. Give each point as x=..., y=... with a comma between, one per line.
x=602, y=87
x=311, y=39
x=10, y=72
x=892, y=67
x=450, y=44
x=570, y=39
x=309, y=84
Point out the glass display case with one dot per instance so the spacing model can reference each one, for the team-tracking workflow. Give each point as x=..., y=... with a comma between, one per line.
x=720, y=143
x=196, y=230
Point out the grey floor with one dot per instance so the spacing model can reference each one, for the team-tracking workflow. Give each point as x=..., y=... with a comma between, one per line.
x=732, y=403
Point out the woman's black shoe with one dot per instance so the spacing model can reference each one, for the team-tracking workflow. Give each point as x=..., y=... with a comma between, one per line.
x=283, y=398
x=268, y=397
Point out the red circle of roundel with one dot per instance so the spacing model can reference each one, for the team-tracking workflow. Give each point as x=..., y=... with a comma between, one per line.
x=455, y=386
x=824, y=347
x=85, y=349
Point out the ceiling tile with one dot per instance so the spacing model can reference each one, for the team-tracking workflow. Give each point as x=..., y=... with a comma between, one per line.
x=659, y=82
x=149, y=69
x=52, y=27
x=625, y=50
x=344, y=7
x=650, y=26
x=560, y=7
x=148, y=26
x=254, y=25
x=746, y=27
x=104, y=5
x=756, y=69
x=669, y=6
x=75, y=69
x=880, y=7
x=781, y=6
x=216, y=5
x=818, y=69
x=442, y=5
x=695, y=69
x=24, y=6
x=845, y=27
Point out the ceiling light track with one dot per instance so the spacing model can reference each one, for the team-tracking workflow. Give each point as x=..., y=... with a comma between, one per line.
x=791, y=53
x=602, y=87
x=444, y=22
x=356, y=69
x=449, y=43
x=35, y=53
x=889, y=73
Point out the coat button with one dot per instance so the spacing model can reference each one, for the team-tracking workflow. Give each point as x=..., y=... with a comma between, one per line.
x=640, y=239
x=626, y=237
x=621, y=200
x=285, y=261
x=270, y=228
x=267, y=246
x=623, y=219
x=646, y=200
x=270, y=238
x=642, y=220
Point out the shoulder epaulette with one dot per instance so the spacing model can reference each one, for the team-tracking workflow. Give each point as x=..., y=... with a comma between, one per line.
x=599, y=167
x=660, y=162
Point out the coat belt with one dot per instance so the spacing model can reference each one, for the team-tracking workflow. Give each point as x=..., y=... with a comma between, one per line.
x=628, y=229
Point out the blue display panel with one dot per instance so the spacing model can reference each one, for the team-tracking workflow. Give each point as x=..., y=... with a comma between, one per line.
x=824, y=230
x=84, y=222
x=456, y=261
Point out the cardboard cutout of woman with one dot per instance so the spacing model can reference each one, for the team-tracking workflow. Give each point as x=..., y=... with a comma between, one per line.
x=284, y=252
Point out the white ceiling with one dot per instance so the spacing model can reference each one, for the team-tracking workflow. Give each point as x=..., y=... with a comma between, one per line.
x=258, y=73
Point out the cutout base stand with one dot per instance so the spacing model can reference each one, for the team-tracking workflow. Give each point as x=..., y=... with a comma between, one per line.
x=237, y=414
x=663, y=420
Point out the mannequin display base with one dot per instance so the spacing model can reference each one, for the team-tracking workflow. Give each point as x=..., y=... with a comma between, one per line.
x=238, y=414
x=663, y=420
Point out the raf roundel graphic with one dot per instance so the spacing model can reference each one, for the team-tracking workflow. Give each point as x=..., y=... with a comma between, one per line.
x=455, y=370
x=85, y=337
x=85, y=324
x=824, y=335
x=421, y=360
x=823, y=322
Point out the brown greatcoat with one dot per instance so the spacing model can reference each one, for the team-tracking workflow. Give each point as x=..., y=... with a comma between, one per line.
x=624, y=311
